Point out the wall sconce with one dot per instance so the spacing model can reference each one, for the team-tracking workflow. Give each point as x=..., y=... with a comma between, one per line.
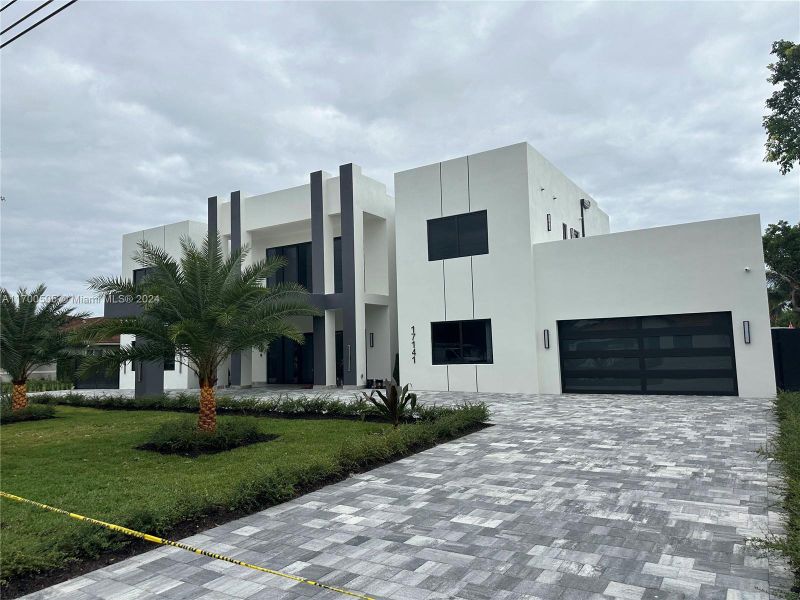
x=547, y=339
x=371, y=340
x=746, y=327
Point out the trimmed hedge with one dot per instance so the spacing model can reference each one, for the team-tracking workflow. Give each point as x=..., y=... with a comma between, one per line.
x=32, y=412
x=40, y=385
x=358, y=456
x=183, y=437
x=785, y=448
x=279, y=405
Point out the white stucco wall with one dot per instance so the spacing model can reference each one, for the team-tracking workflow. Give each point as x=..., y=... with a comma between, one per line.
x=696, y=267
x=499, y=286
x=167, y=237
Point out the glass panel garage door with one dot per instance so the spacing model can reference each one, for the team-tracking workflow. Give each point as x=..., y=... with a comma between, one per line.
x=658, y=354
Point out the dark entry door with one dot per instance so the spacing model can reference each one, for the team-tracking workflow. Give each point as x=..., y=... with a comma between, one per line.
x=291, y=363
x=657, y=354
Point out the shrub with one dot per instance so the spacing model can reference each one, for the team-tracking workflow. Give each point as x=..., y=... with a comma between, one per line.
x=40, y=385
x=785, y=448
x=183, y=436
x=32, y=412
x=398, y=404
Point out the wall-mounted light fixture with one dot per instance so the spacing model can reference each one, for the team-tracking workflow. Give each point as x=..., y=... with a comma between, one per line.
x=746, y=328
x=547, y=339
x=371, y=340
x=549, y=222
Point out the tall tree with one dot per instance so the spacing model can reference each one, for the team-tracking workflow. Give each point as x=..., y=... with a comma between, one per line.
x=783, y=123
x=32, y=334
x=202, y=307
x=782, y=256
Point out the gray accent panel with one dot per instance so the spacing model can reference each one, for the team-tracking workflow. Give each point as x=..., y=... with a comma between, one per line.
x=236, y=244
x=319, y=351
x=318, y=273
x=212, y=215
x=149, y=378
x=317, y=235
x=349, y=335
x=119, y=310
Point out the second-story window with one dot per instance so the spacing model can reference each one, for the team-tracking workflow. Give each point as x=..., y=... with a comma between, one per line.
x=460, y=235
x=337, y=265
x=564, y=230
x=298, y=264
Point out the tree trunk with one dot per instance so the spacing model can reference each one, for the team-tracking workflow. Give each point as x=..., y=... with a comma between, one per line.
x=207, y=421
x=19, y=395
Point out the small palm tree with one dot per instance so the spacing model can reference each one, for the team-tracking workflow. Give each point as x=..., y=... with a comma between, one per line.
x=32, y=334
x=203, y=308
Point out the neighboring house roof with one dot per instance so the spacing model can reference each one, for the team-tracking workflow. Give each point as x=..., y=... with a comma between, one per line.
x=76, y=323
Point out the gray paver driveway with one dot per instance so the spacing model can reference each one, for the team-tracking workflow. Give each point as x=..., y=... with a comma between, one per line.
x=565, y=497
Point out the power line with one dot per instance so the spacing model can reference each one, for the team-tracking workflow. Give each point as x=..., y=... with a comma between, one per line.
x=35, y=25
x=33, y=12
x=7, y=5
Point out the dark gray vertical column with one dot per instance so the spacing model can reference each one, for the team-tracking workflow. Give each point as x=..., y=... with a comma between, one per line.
x=236, y=244
x=318, y=272
x=149, y=378
x=349, y=335
x=212, y=215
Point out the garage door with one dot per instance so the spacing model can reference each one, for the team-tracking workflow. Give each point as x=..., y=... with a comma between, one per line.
x=657, y=354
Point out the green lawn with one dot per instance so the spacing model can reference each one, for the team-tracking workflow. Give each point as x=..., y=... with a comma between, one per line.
x=84, y=461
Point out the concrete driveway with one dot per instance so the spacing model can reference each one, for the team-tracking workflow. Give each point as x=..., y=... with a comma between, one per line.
x=564, y=497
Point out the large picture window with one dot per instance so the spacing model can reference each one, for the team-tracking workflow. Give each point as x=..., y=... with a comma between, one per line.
x=298, y=264
x=460, y=235
x=462, y=342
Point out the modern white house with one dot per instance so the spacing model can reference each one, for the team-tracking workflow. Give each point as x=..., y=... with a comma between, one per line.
x=494, y=272
x=336, y=234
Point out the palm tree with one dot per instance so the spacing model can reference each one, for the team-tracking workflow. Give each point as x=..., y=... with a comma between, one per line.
x=32, y=334
x=202, y=307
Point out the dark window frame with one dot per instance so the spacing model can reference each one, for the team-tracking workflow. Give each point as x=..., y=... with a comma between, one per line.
x=564, y=230
x=457, y=227
x=301, y=262
x=488, y=351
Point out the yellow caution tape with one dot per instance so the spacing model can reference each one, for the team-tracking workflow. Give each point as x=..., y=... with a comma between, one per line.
x=158, y=540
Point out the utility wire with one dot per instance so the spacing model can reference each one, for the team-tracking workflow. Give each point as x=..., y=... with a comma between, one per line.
x=7, y=5
x=33, y=12
x=52, y=14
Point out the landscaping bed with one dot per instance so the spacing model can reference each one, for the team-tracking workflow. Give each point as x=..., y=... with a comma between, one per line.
x=785, y=448
x=86, y=460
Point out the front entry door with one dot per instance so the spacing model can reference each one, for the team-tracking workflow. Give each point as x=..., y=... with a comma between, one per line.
x=291, y=363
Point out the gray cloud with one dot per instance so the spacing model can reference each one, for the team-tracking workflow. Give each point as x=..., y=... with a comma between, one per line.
x=118, y=116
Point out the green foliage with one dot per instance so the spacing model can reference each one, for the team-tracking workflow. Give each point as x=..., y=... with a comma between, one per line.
x=398, y=404
x=32, y=412
x=183, y=437
x=31, y=330
x=785, y=448
x=781, y=243
x=202, y=307
x=85, y=461
x=783, y=123
x=283, y=405
x=40, y=385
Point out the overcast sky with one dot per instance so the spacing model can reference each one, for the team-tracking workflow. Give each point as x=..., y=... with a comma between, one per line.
x=119, y=116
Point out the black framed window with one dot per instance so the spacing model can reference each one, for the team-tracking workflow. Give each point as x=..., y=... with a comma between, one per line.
x=564, y=230
x=169, y=362
x=298, y=264
x=460, y=235
x=462, y=342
